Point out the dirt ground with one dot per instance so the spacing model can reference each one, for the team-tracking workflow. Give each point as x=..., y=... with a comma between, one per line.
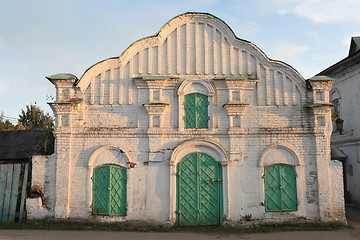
x=353, y=216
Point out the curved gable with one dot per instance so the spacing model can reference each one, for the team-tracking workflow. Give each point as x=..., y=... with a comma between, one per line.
x=194, y=44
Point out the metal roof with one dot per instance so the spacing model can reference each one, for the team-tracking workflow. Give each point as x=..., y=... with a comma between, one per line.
x=62, y=76
x=354, y=45
x=322, y=78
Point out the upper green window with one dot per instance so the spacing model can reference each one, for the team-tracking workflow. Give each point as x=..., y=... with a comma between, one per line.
x=196, y=110
x=280, y=188
x=109, y=190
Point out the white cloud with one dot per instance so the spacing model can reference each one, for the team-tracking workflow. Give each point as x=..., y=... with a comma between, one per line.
x=322, y=11
x=287, y=52
x=6, y=87
x=293, y=54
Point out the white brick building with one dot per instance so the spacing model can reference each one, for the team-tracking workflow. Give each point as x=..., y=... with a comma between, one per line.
x=190, y=126
x=346, y=135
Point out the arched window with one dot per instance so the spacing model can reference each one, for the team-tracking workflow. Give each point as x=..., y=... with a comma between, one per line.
x=109, y=191
x=280, y=188
x=196, y=105
x=336, y=111
x=196, y=110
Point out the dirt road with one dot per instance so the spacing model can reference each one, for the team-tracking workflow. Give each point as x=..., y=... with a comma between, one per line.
x=353, y=218
x=92, y=235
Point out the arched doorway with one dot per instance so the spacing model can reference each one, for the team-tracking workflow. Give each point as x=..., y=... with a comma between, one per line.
x=199, y=190
x=108, y=177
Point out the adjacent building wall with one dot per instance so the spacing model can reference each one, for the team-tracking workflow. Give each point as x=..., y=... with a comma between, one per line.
x=345, y=92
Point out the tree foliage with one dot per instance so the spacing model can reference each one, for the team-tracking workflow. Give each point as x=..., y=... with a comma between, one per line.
x=35, y=118
x=6, y=125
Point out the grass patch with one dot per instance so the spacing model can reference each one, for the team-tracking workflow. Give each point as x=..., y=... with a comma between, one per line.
x=274, y=227
x=145, y=227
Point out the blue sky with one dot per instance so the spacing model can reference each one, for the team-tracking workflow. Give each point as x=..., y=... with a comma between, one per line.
x=44, y=37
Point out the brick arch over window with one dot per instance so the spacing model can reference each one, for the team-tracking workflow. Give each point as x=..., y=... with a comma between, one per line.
x=122, y=159
x=334, y=94
x=196, y=86
x=108, y=156
x=278, y=154
x=279, y=167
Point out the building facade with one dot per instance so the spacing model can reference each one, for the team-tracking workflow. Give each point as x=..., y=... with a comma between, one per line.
x=346, y=135
x=192, y=126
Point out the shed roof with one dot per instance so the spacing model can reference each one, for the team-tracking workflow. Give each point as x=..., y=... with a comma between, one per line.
x=20, y=146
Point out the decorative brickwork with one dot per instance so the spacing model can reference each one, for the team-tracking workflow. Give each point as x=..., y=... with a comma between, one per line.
x=130, y=110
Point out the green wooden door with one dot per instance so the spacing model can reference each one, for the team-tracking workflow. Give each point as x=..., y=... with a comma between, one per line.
x=280, y=188
x=199, y=190
x=196, y=110
x=109, y=190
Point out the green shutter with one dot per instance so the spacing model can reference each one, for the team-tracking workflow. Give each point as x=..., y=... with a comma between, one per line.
x=109, y=190
x=196, y=110
x=199, y=190
x=288, y=188
x=118, y=191
x=101, y=193
x=280, y=188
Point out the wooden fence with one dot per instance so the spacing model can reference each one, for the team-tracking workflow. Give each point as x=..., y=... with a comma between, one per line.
x=13, y=180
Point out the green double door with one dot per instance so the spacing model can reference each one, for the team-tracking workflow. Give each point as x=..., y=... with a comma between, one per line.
x=109, y=191
x=199, y=190
x=280, y=188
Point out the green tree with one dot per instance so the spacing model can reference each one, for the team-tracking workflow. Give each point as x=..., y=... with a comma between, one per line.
x=35, y=118
x=6, y=125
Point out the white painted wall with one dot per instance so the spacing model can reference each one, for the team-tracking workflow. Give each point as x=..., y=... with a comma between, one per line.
x=112, y=123
x=347, y=88
x=43, y=178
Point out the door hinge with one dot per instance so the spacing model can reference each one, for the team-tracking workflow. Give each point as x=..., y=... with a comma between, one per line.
x=215, y=180
x=177, y=174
